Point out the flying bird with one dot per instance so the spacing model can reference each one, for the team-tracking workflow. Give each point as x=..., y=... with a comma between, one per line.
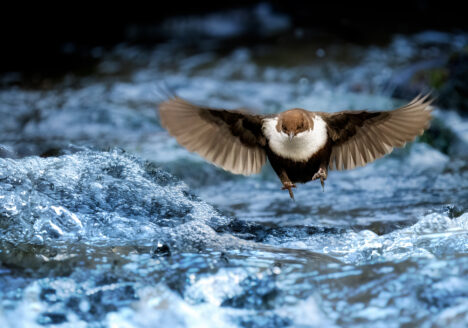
x=301, y=145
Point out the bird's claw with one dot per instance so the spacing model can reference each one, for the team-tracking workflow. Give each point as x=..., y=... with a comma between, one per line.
x=322, y=175
x=288, y=186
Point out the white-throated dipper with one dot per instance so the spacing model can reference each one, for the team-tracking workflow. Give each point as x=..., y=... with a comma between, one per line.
x=301, y=145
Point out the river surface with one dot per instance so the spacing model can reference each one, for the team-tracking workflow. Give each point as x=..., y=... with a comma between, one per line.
x=106, y=222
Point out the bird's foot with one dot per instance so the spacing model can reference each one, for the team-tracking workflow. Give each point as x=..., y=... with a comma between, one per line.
x=288, y=186
x=322, y=175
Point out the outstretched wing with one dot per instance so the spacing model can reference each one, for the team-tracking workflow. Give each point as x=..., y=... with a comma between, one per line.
x=360, y=137
x=232, y=140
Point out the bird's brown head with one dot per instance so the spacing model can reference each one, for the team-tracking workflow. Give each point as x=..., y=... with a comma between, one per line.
x=294, y=121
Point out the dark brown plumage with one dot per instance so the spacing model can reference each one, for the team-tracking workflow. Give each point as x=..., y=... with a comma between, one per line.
x=301, y=145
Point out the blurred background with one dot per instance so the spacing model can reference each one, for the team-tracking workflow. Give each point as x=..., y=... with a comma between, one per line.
x=396, y=49
x=106, y=221
x=46, y=41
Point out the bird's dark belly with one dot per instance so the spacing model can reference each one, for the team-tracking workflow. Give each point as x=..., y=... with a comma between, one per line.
x=296, y=171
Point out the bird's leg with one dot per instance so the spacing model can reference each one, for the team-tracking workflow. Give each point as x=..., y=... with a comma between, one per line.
x=287, y=184
x=321, y=174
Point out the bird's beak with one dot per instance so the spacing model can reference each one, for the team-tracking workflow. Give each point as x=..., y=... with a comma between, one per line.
x=290, y=135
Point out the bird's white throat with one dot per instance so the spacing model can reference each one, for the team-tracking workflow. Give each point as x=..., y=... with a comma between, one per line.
x=302, y=146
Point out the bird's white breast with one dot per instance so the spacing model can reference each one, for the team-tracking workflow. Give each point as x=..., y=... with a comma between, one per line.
x=302, y=146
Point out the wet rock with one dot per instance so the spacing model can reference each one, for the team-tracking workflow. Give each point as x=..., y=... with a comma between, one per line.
x=454, y=88
x=162, y=250
x=246, y=230
x=454, y=211
x=258, y=294
x=51, y=318
x=418, y=78
x=446, y=76
x=440, y=137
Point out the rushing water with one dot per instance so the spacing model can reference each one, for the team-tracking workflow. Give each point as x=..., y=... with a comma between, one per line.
x=93, y=235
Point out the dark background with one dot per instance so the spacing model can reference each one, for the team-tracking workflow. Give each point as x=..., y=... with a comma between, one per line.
x=35, y=37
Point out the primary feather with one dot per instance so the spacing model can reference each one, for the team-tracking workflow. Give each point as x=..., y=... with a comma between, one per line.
x=228, y=139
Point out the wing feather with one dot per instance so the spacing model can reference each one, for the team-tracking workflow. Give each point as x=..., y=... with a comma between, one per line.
x=362, y=137
x=228, y=139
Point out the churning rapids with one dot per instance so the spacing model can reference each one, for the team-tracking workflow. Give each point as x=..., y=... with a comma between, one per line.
x=106, y=221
